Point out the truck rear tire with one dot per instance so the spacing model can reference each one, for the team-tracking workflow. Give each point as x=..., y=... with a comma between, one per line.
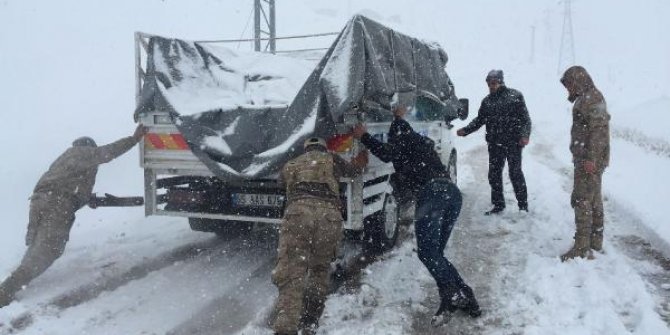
x=381, y=228
x=222, y=228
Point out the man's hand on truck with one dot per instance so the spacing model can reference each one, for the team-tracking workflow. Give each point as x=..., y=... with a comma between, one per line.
x=359, y=130
x=140, y=131
x=360, y=160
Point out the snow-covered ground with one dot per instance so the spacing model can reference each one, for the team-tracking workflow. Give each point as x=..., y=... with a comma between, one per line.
x=512, y=263
x=67, y=71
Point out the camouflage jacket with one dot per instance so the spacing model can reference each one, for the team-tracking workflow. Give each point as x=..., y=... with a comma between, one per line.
x=590, y=133
x=72, y=174
x=317, y=190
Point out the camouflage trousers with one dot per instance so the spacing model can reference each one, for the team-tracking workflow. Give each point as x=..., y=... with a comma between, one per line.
x=588, y=204
x=49, y=225
x=308, y=240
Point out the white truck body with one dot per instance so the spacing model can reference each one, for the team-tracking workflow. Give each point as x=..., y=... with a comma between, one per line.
x=177, y=183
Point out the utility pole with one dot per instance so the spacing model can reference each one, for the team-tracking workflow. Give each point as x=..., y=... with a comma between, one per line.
x=264, y=12
x=566, y=55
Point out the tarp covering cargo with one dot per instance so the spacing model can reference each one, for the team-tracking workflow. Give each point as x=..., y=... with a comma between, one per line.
x=241, y=134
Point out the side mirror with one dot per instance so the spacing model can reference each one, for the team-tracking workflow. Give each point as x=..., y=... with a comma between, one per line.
x=464, y=108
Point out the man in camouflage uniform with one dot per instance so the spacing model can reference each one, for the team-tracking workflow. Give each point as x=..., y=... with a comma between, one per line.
x=590, y=147
x=309, y=235
x=65, y=188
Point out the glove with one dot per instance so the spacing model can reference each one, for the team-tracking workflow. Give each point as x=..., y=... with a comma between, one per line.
x=359, y=130
x=361, y=160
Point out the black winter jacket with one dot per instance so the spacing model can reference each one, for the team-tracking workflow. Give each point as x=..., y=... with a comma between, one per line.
x=505, y=115
x=413, y=156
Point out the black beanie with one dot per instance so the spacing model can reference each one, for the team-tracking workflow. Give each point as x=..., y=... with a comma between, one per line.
x=399, y=127
x=496, y=75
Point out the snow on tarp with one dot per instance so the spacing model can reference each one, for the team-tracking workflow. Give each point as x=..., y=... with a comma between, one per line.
x=245, y=115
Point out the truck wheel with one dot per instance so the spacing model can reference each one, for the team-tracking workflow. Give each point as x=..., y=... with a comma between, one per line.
x=222, y=228
x=381, y=228
x=451, y=168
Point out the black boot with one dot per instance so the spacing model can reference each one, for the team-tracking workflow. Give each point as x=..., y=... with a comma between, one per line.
x=467, y=302
x=495, y=210
x=308, y=325
x=446, y=309
x=523, y=206
x=446, y=306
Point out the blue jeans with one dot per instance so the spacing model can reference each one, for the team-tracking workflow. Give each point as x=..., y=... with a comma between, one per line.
x=437, y=208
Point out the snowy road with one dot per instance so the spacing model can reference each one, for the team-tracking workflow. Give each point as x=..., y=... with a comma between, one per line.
x=209, y=285
x=512, y=263
x=192, y=289
x=181, y=282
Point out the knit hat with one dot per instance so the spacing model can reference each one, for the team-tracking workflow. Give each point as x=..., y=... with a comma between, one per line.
x=399, y=127
x=495, y=75
x=84, y=142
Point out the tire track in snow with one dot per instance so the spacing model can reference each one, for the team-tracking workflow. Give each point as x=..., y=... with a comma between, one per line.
x=654, y=145
x=642, y=247
x=498, y=284
x=475, y=248
x=243, y=305
x=111, y=282
x=248, y=309
x=638, y=242
x=233, y=311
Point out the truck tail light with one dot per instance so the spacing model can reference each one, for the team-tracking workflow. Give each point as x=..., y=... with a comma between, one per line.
x=165, y=141
x=340, y=143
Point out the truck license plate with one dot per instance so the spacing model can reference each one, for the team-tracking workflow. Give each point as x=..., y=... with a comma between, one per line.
x=265, y=200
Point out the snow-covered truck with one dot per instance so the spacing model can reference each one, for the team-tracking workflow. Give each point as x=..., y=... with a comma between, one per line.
x=222, y=123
